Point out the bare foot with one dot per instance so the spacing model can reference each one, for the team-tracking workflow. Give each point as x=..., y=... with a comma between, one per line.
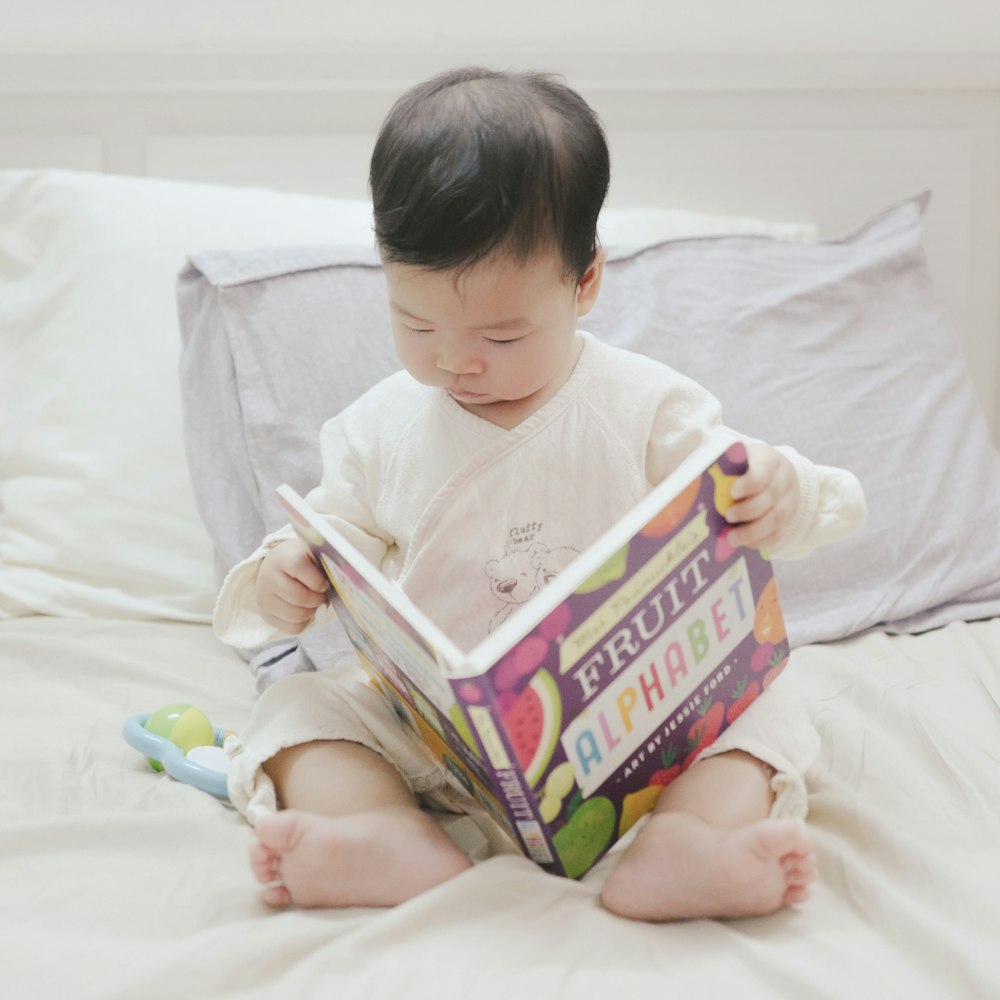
x=680, y=867
x=371, y=859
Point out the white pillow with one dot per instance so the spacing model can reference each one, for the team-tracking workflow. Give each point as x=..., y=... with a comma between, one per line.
x=641, y=226
x=96, y=511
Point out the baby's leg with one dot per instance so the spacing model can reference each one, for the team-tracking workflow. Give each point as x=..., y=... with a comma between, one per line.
x=351, y=833
x=709, y=850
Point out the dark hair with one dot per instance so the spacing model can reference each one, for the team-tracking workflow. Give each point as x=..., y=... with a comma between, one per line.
x=476, y=160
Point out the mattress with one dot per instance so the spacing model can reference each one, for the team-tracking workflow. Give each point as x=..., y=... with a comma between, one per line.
x=120, y=882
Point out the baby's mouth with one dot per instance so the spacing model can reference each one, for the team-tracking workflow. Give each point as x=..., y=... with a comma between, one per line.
x=460, y=393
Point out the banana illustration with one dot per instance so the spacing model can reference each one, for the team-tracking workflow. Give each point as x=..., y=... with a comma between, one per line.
x=723, y=488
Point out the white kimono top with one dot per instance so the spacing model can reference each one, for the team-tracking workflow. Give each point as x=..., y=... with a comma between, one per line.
x=471, y=519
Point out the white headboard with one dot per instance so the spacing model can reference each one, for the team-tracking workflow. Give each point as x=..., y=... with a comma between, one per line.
x=827, y=139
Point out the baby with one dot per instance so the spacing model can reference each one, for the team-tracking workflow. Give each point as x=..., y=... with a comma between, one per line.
x=506, y=421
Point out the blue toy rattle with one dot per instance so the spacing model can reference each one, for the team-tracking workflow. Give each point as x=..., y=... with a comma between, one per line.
x=180, y=740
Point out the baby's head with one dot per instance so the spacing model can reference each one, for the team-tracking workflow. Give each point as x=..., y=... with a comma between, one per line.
x=476, y=162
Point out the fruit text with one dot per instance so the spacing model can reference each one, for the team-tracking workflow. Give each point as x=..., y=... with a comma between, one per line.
x=661, y=676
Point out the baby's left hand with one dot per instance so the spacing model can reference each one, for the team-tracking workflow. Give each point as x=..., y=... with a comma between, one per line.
x=765, y=498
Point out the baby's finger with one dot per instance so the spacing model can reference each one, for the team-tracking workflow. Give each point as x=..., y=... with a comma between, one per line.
x=763, y=532
x=294, y=614
x=310, y=576
x=755, y=480
x=744, y=486
x=294, y=592
x=744, y=511
x=287, y=617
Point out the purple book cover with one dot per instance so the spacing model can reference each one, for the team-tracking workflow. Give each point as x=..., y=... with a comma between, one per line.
x=573, y=732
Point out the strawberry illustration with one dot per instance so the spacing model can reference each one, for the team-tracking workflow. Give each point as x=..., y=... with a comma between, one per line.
x=557, y=623
x=711, y=716
x=761, y=658
x=723, y=547
x=668, y=771
x=742, y=699
x=772, y=674
x=767, y=657
x=523, y=660
x=774, y=666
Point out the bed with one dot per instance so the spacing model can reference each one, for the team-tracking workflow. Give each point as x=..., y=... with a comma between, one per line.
x=159, y=339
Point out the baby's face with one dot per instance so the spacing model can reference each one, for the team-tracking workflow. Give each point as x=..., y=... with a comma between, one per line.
x=500, y=338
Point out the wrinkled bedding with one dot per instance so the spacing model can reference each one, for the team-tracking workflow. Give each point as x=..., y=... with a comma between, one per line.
x=118, y=882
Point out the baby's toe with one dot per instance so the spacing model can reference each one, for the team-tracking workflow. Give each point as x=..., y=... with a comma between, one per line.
x=263, y=862
x=276, y=894
x=279, y=831
x=796, y=894
x=798, y=870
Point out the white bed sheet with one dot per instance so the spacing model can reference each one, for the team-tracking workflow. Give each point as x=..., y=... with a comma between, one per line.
x=120, y=883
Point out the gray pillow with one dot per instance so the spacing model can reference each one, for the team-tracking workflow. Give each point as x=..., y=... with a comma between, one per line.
x=274, y=342
x=836, y=348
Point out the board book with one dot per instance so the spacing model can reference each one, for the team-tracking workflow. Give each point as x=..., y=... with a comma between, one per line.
x=567, y=722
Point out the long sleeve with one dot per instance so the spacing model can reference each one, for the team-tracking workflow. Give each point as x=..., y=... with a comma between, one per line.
x=343, y=497
x=236, y=619
x=831, y=506
x=831, y=500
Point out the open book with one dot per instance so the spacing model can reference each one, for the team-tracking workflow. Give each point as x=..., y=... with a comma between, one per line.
x=566, y=723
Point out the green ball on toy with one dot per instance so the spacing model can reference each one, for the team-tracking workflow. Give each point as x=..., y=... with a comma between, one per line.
x=184, y=725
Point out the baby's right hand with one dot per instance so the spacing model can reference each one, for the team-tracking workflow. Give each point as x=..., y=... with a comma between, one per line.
x=290, y=587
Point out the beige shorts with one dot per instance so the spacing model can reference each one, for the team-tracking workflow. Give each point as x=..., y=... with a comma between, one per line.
x=335, y=704
x=341, y=705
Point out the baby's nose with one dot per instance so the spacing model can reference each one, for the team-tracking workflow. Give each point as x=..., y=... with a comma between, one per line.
x=459, y=363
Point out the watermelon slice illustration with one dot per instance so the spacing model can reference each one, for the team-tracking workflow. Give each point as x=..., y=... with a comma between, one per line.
x=533, y=722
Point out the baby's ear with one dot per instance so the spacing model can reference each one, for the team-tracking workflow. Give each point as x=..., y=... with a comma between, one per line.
x=589, y=286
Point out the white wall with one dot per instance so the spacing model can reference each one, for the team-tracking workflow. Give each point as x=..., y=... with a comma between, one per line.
x=817, y=110
x=479, y=28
